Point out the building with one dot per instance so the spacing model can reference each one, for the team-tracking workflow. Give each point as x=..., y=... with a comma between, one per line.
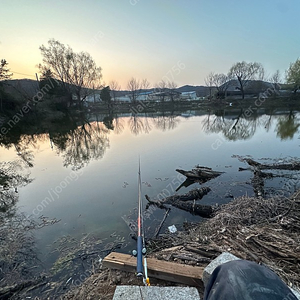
x=189, y=95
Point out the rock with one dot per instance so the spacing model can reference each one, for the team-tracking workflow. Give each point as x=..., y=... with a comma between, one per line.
x=221, y=259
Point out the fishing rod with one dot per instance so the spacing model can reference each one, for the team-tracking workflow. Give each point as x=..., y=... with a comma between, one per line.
x=141, y=269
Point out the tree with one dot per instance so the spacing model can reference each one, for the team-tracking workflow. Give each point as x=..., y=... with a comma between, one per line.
x=77, y=72
x=293, y=75
x=4, y=75
x=244, y=72
x=105, y=96
x=209, y=81
x=133, y=86
x=161, y=88
x=172, y=89
x=50, y=85
x=114, y=87
x=4, y=71
x=145, y=84
x=221, y=82
x=275, y=79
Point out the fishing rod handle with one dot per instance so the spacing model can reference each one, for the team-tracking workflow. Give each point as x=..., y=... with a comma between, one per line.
x=139, y=265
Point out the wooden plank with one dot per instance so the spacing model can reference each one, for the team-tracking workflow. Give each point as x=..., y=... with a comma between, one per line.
x=164, y=270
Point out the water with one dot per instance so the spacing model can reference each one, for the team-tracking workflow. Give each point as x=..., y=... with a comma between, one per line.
x=87, y=176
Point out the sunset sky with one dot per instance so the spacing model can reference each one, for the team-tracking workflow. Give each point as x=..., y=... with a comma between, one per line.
x=151, y=38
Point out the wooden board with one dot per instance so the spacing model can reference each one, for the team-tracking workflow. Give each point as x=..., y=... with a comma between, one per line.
x=160, y=269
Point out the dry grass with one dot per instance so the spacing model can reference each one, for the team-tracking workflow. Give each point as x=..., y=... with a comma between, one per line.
x=262, y=230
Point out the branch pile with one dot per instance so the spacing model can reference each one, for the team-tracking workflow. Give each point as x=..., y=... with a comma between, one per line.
x=263, y=230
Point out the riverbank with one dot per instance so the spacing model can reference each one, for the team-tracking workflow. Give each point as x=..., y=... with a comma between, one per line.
x=262, y=230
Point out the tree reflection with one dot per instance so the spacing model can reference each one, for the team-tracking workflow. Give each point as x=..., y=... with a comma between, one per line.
x=233, y=128
x=139, y=124
x=287, y=126
x=166, y=122
x=80, y=145
x=16, y=243
x=12, y=176
x=118, y=124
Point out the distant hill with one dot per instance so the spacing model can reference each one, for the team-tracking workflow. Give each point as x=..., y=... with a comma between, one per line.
x=19, y=87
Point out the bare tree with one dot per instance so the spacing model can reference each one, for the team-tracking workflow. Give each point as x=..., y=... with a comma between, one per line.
x=172, y=89
x=244, y=72
x=161, y=88
x=145, y=84
x=221, y=82
x=77, y=72
x=114, y=87
x=275, y=79
x=262, y=74
x=133, y=87
x=209, y=81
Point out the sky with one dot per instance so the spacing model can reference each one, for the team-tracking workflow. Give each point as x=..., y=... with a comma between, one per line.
x=172, y=40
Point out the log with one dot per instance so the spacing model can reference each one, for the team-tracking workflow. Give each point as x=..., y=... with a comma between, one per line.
x=191, y=258
x=163, y=270
x=202, y=252
x=158, y=204
x=201, y=174
x=204, y=211
x=8, y=291
x=195, y=194
x=277, y=166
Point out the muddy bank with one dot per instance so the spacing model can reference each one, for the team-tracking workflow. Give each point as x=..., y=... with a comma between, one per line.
x=257, y=229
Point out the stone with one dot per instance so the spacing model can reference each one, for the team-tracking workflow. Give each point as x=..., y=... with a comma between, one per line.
x=221, y=259
x=125, y=292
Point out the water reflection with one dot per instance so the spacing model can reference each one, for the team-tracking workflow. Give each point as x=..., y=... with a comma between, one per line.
x=80, y=139
x=288, y=126
x=118, y=124
x=17, y=244
x=234, y=125
x=166, y=122
x=82, y=144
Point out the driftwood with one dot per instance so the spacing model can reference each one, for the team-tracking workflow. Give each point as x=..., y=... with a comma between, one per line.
x=8, y=291
x=161, y=223
x=202, y=252
x=293, y=166
x=204, y=211
x=200, y=174
x=258, y=180
x=186, y=202
x=195, y=194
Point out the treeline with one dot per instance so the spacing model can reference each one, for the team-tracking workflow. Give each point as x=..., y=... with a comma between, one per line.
x=242, y=74
x=69, y=77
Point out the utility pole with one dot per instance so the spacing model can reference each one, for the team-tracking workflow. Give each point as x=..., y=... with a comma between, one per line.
x=37, y=79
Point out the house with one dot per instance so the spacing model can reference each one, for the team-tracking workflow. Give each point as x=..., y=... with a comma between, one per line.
x=93, y=98
x=189, y=95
